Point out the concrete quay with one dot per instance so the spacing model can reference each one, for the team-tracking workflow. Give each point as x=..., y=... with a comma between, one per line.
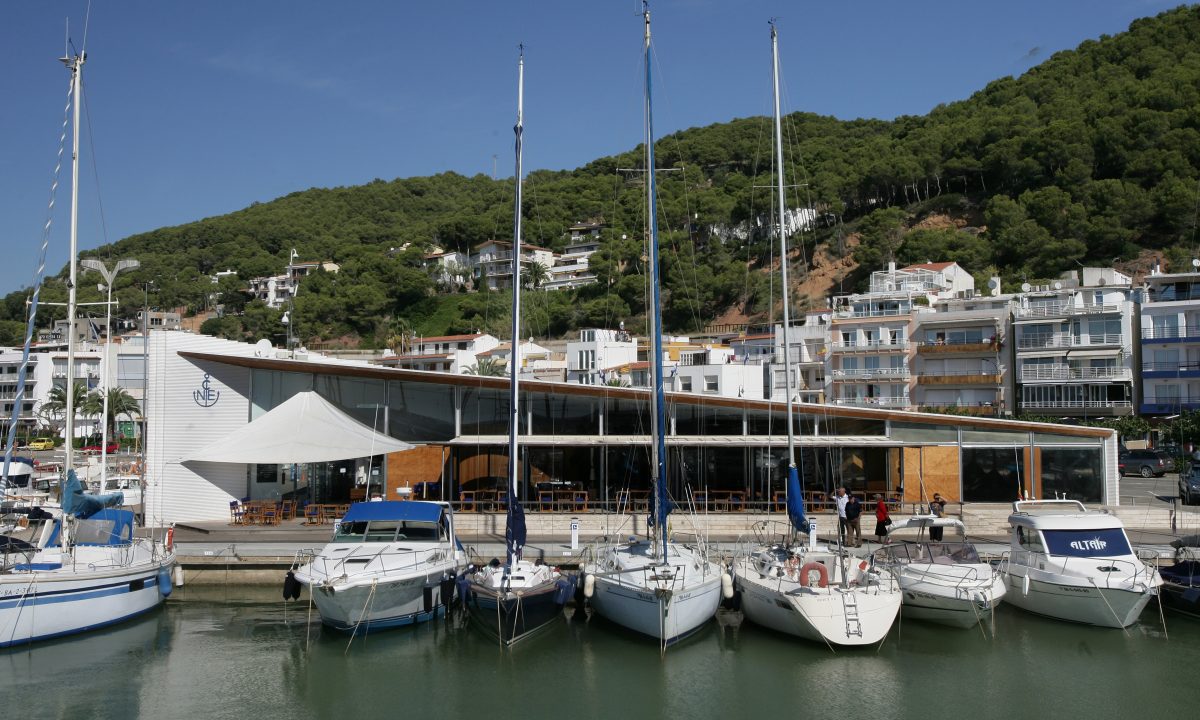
x=217, y=553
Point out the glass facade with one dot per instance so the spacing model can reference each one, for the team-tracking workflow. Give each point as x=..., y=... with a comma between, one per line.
x=579, y=442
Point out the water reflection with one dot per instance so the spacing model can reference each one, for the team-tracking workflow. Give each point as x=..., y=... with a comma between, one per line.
x=218, y=653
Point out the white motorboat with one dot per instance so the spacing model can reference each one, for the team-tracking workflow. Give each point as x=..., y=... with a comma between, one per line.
x=1075, y=564
x=812, y=592
x=513, y=600
x=389, y=564
x=943, y=581
x=76, y=568
x=658, y=587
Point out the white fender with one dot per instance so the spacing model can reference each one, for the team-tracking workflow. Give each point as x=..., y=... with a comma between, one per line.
x=1025, y=586
x=589, y=586
x=726, y=586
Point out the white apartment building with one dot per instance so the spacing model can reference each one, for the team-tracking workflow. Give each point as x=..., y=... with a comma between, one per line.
x=449, y=268
x=570, y=269
x=444, y=353
x=277, y=290
x=962, y=352
x=492, y=263
x=597, y=353
x=1074, y=351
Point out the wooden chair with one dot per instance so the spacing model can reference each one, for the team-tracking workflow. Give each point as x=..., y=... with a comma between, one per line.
x=237, y=514
x=253, y=514
x=287, y=510
x=579, y=501
x=466, y=501
x=623, y=501
x=779, y=500
x=312, y=514
x=270, y=515
x=546, y=500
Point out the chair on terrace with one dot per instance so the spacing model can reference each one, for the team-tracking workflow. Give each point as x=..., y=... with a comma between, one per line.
x=237, y=514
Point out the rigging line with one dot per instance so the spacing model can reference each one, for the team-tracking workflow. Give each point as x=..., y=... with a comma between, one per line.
x=39, y=275
x=87, y=114
x=87, y=17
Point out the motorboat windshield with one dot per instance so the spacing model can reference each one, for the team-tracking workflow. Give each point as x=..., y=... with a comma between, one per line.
x=386, y=531
x=1102, y=542
x=937, y=553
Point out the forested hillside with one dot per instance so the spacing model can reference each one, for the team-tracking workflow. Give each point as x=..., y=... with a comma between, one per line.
x=1091, y=157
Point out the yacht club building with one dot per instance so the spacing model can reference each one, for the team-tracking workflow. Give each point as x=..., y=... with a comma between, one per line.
x=589, y=439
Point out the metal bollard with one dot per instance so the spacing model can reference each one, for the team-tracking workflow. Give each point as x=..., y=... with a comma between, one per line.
x=574, y=533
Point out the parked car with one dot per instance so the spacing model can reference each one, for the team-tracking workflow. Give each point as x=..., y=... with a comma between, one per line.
x=111, y=450
x=1189, y=486
x=41, y=444
x=1147, y=463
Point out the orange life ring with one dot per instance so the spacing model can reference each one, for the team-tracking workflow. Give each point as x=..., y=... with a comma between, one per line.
x=170, y=544
x=822, y=571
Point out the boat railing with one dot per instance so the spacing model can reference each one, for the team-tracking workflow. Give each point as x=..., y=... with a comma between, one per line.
x=389, y=561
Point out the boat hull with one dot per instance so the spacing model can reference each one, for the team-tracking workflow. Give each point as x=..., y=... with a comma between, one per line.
x=666, y=601
x=816, y=613
x=515, y=615
x=41, y=605
x=360, y=606
x=961, y=605
x=1112, y=607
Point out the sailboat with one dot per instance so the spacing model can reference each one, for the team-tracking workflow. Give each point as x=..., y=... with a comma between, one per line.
x=78, y=566
x=513, y=601
x=656, y=587
x=810, y=591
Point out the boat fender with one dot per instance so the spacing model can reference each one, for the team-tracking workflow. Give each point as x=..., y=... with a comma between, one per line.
x=170, y=544
x=446, y=590
x=178, y=576
x=589, y=586
x=164, y=581
x=564, y=589
x=806, y=575
x=1025, y=586
x=427, y=598
x=726, y=586
x=291, y=587
x=464, y=588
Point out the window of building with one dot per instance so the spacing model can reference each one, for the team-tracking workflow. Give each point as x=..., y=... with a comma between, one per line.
x=710, y=383
x=685, y=384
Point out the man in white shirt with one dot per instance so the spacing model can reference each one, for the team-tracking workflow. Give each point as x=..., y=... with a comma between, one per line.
x=841, y=498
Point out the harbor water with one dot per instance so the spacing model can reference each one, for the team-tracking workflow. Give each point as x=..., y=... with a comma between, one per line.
x=238, y=652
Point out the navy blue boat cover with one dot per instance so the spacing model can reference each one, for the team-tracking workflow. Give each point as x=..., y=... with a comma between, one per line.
x=394, y=510
x=795, y=503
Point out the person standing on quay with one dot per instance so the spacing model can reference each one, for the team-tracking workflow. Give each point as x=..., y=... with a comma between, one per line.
x=938, y=508
x=854, y=520
x=841, y=498
x=882, y=519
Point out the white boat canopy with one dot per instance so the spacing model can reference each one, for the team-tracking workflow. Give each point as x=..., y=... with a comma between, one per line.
x=306, y=428
x=926, y=521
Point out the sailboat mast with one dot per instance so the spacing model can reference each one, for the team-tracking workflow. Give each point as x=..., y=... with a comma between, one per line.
x=787, y=325
x=514, y=363
x=75, y=64
x=658, y=448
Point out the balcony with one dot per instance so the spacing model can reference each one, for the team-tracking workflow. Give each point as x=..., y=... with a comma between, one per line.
x=1065, y=309
x=1115, y=406
x=966, y=377
x=875, y=312
x=1040, y=341
x=1034, y=373
x=892, y=402
x=871, y=374
x=985, y=409
x=1191, y=333
x=1169, y=405
x=871, y=346
x=1181, y=369
x=951, y=348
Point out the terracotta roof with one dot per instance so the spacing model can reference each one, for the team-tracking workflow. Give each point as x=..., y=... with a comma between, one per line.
x=448, y=338
x=929, y=266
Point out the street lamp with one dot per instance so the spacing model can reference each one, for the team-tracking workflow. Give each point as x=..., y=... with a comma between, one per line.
x=109, y=276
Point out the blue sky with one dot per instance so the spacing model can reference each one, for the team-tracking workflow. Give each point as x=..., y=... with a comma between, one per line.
x=201, y=108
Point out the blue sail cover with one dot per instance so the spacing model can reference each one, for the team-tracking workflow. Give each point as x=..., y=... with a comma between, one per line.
x=795, y=502
x=515, y=531
x=83, y=505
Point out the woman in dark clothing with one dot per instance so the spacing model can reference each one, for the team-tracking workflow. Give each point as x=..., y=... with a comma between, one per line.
x=882, y=519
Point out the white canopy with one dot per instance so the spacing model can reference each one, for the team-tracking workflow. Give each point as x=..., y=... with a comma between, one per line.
x=305, y=429
x=926, y=521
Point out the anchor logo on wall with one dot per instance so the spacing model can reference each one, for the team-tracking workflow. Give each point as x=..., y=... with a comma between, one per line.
x=206, y=396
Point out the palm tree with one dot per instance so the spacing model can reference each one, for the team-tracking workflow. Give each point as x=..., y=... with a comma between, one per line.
x=56, y=407
x=535, y=274
x=120, y=402
x=486, y=367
